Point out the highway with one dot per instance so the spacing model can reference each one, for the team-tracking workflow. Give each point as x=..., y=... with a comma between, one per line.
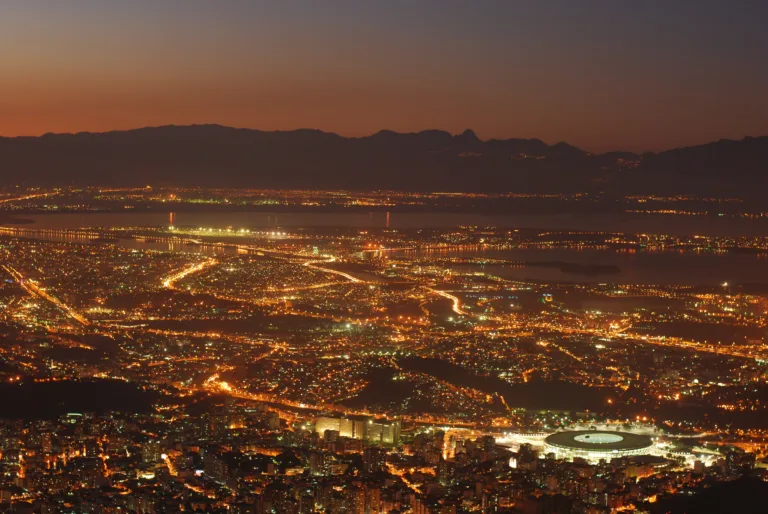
x=26, y=197
x=170, y=281
x=455, y=300
x=31, y=287
x=313, y=264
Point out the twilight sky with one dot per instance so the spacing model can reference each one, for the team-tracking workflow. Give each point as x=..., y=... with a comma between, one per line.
x=601, y=74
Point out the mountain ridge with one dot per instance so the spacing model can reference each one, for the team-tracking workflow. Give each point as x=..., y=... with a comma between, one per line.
x=212, y=154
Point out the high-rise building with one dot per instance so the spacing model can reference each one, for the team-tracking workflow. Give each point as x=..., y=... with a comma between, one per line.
x=319, y=464
x=446, y=471
x=151, y=452
x=373, y=500
x=374, y=459
x=91, y=449
x=331, y=436
x=46, y=442
x=273, y=420
x=487, y=443
x=356, y=503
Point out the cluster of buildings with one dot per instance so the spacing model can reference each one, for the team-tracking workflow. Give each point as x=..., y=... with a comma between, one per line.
x=242, y=457
x=354, y=370
x=370, y=430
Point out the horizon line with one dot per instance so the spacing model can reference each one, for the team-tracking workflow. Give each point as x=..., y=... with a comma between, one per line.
x=332, y=133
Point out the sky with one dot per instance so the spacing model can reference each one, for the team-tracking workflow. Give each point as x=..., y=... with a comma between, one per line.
x=600, y=74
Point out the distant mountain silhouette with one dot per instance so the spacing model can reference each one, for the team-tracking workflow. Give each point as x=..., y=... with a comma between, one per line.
x=434, y=160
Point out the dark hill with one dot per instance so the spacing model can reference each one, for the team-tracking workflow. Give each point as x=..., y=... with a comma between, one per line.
x=214, y=155
x=724, y=167
x=745, y=496
x=49, y=400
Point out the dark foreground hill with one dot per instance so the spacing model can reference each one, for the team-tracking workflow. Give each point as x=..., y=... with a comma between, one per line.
x=745, y=496
x=213, y=155
x=49, y=400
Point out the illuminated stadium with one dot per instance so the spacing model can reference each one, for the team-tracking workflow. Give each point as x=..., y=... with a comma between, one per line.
x=595, y=445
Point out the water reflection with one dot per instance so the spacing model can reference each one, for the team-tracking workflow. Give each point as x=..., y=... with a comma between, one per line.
x=636, y=267
x=139, y=243
x=626, y=223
